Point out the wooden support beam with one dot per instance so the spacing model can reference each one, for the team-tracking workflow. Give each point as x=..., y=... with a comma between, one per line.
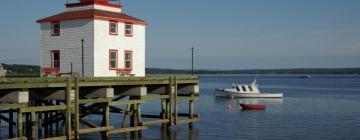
x=175, y=85
x=56, y=138
x=33, y=126
x=187, y=121
x=106, y=119
x=156, y=122
x=96, y=92
x=93, y=130
x=5, y=107
x=11, y=125
x=19, y=138
x=191, y=112
x=15, y=97
x=189, y=89
x=170, y=104
x=0, y=123
x=129, y=129
x=119, y=103
x=40, y=125
x=134, y=91
x=20, y=123
x=155, y=97
x=89, y=124
x=77, y=109
x=68, y=109
x=44, y=108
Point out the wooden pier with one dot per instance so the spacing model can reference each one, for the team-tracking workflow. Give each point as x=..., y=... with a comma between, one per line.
x=57, y=108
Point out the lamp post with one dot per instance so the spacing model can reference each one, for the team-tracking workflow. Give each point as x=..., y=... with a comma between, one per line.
x=192, y=61
x=82, y=57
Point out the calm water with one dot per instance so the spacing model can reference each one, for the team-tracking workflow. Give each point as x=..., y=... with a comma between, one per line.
x=324, y=107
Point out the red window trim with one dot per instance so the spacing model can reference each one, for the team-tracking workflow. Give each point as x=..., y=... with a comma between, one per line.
x=52, y=58
x=117, y=25
x=52, y=28
x=131, y=58
x=117, y=59
x=132, y=28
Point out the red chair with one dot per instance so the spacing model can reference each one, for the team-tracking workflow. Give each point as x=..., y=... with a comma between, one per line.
x=50, y=71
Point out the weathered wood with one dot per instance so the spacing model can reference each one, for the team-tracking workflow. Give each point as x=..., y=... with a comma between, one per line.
x=68, y=109
x=170, y=111
x=40, y=125
x=19, y=138
x=171, y=89
x=93, y=101
x=123, y=123
x=106, y=119
x=15, y=97
x=175, y=85
x=77, y=110
x=33, y=126
x=44, y=108
x=187, y=121
x=20, y=123
x=118, y=103
x=191, y=112
x=129, y=129
x=156, y=122
x=155, y=97
x=56, y=138
x=12, y=106
x=93, y=130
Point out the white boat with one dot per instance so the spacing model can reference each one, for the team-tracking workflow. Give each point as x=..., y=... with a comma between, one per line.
x=245, y=91
x=2, y=71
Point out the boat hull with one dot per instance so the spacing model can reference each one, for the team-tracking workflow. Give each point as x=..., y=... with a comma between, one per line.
x=223, y=93
x=253, y=106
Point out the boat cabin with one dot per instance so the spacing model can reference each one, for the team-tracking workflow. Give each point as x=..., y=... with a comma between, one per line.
x=242, y=88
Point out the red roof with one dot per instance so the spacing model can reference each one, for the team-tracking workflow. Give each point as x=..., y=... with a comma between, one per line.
x=93, y=14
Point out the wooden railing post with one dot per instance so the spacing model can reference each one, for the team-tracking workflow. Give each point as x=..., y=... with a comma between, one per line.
x=68, y=109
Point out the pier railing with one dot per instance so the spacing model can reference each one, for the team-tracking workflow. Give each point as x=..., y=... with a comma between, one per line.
x=42, y=105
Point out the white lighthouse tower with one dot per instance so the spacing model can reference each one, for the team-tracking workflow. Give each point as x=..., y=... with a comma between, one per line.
x=110, y=41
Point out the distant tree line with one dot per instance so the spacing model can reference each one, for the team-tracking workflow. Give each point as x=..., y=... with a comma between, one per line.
x=33, y=70
x=260, y=71
x=21, y=70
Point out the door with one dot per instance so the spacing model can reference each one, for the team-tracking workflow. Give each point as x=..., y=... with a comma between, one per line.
x=55, y=59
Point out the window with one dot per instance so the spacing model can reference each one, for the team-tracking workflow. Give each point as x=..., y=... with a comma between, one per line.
x=250, y=88
x=113, y=28
x=237, y=88
x=113, y=59
x=55, y=58
x=128, y=59
x=55, y=28
x=128, y=29
x=243, y=88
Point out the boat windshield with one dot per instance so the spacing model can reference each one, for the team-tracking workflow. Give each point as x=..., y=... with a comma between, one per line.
x=243, y=87
x=237, y=88
x=250, y=88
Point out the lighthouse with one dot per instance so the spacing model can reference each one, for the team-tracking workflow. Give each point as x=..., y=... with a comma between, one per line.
x=93, y=38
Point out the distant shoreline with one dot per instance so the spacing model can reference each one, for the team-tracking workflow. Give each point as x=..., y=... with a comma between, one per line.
x=33, y=70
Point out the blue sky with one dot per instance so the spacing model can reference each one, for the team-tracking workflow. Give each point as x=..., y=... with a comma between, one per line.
x=227, y=34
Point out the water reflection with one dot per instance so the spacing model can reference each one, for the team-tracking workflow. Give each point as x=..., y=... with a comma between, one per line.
x=154, y=133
